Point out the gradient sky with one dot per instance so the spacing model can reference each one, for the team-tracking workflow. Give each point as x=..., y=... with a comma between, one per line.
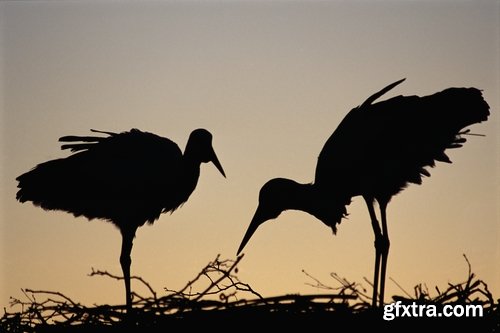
x=271, y=80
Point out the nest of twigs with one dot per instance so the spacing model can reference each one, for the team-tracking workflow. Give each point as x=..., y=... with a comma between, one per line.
x=227, y=302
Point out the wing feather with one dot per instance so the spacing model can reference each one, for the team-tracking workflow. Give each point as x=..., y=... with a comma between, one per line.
x=113, y=177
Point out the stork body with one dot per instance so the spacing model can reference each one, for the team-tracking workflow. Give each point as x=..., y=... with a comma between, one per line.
x=376, y=151
x=126, y=178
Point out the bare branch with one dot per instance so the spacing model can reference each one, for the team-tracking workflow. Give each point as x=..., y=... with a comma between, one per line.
x=221, y=296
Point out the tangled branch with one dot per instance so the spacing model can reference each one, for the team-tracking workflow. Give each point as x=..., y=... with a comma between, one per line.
x=215, y=293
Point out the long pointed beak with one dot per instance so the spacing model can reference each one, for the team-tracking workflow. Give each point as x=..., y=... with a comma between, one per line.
x=257, y=220
x=217, y=164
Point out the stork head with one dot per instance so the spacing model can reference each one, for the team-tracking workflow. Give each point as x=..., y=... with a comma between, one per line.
x=280, y=194
x=199, y=146
x=273, y=199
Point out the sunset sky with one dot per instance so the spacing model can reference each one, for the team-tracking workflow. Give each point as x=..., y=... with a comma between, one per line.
x=271, y=80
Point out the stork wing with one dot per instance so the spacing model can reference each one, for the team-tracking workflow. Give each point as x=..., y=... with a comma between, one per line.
x=392, y=141
x=120, y=176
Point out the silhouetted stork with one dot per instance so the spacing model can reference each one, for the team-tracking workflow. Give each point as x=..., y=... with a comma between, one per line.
x=375, y=152
x=127, y=178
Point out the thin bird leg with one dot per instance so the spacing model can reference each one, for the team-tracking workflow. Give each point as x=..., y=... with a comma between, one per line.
x=125, y=261
x=385, y=250
x=378, y=235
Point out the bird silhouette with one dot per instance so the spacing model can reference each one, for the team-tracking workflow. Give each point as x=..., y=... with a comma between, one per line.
x=126, y=178
x=376, y=151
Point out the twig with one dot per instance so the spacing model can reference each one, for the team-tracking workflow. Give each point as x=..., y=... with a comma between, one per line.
x=116, y=277
x=399, y=286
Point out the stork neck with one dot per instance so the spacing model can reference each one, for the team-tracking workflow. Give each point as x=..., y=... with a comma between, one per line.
x=191, y=161
x=190, y=172
x=301, y=197
x=308, y=198
x=192, y=155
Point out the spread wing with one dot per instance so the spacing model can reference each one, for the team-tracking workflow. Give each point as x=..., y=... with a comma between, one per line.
x=401, y=135
x=380, y=148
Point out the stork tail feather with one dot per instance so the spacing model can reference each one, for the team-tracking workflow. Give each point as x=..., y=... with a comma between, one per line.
x=375, y=96
x=82, y=145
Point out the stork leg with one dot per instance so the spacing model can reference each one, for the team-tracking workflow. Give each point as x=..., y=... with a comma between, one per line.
x=384, y=249
x=125, y=261
x=378, y=251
